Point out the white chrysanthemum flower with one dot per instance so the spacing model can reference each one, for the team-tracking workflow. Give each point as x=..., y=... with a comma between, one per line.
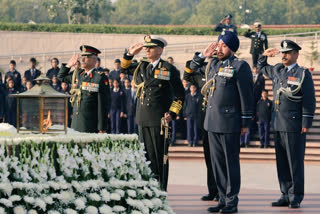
x=2, y=211
x=105, y=195
x=66, y=196
x=71, y=211
x=6, y=187
x=6, y=202
x=19, y=210
x=94, y=197
x=92, y=210
x=136, y=212
x=40, y=203
x=118, y=208
x=32, y=212
x=53, y=212
x=132, y=193
x=120, y=191
x=147, y=203
x=14, y=198
x=28, y=199
x=105, y=209
x=162, y=212
x=115, y=196
x=80, y=203
x=156, y=202
x=48, y=200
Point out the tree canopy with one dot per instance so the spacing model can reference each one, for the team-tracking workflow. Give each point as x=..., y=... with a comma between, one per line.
x=160, y=12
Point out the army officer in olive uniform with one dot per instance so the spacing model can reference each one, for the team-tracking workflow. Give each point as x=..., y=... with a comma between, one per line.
x=160, y=94
x=294, y=104
x=259, y=42
x=90, y=90
x=229, y=95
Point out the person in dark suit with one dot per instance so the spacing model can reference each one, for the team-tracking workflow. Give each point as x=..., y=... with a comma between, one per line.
x=90, y=90
x=225, y=25
x=14, y=74
x=229, y=96
x=117, y=107
x=98, y=65
x=11, y=104
x=130, y=104
x=191, y=109
x=258, y=86
x=115, y=73
x=160, y=95
x=55, y=83
x=65, y=90
x=295, y=102
x=264, y=110
x=259, y=42
x=54, y=70
x=32, y=73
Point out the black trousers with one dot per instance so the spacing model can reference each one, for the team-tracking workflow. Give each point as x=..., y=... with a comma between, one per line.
x=290, y=150
x=211, y=181
x=225, y=150
x=154, y=145
x=255, y=57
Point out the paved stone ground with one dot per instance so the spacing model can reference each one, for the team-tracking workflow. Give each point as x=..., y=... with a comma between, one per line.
x=187, y=183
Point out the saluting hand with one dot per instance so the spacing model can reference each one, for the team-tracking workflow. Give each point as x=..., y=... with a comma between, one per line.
x=135, y=49
x=210, y=50
x=73, y=61
x=271, y=52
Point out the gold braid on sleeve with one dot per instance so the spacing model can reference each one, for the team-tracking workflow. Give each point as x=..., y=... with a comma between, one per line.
x=176, y=106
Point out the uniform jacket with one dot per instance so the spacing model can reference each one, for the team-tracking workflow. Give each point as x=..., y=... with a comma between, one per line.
x=264, y=110
x=192, y=105
x=91, y=114
x=117, y=100
x=16, y=76
x=222, y=27
x=2, y=101
x=130, y=102
x=258, y=43
x=52, y=72
x=10, y=102
x=230, y=106
x=114, y=74
x=258, y=86
x=291, y=116
x=36, y=73
x=159, y=94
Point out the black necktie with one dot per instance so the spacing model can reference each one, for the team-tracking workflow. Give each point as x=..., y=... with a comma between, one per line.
x=149, y=69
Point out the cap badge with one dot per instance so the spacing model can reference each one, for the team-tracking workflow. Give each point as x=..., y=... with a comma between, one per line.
x=84, y=48
x=285, y=44
x=147, y=38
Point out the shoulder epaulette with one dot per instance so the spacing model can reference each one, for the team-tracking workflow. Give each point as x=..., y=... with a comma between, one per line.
x=144, y=59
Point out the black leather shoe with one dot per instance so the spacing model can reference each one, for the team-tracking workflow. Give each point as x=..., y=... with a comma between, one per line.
x=262, y=146
x=207, y=197
x=229, y=210
x=216, y=198
x=242, y=145
x=216, y=208
x=294, y=205
x=280, y=203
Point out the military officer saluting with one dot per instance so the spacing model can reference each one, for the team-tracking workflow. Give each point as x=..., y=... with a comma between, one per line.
x=160, y=94
x=259, y=42
x=90, y=90
x=229, y=95
x=294, y=98
x=225, y=25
